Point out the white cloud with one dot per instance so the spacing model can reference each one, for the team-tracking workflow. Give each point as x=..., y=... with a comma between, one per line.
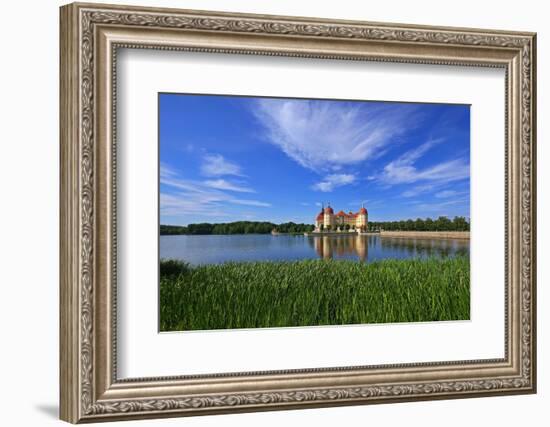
x=167, y=171
x=417, y=190
x=439, y=207
x=217, y=165
x=193, y=197
x=222, y=184
x=330, y=182
x=183, y=204
x=403, y=171
x=250, y=203
x=324, y=135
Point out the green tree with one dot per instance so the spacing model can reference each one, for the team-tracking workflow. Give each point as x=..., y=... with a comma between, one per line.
x=429, y=224
x=460, y=224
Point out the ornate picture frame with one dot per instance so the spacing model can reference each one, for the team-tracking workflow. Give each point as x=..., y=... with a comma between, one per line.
x=90, y=37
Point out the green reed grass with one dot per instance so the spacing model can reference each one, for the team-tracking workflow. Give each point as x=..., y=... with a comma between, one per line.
x=312, y=293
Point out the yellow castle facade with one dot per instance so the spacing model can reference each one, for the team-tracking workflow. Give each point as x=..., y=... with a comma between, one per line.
x=327, y=220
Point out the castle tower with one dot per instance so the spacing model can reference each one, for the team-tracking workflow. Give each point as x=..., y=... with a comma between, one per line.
x=320, y=219
x=329, y=217
x=362, y=218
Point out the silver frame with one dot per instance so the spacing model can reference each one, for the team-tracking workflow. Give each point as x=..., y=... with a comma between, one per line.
x=90, y=37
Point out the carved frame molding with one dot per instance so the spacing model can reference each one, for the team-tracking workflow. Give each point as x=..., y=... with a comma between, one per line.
x=90, y=36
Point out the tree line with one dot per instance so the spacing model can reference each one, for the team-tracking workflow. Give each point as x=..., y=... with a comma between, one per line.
x=237, y=227
x=458, y=223
x=292, y=227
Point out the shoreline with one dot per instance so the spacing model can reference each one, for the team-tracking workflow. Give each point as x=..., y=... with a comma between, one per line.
x=465, y=235
x=331, y=233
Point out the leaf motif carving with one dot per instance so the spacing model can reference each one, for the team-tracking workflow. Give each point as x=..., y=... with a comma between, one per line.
x=91, y=17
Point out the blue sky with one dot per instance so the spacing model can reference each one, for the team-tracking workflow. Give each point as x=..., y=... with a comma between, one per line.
x=230, y=158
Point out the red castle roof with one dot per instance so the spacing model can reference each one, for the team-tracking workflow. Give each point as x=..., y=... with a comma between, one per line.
x=328, y=210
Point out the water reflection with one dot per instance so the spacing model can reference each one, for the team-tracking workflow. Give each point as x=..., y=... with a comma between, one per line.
x=329, y=247
x=343, y=247
x=415, y=247
x=215, y=249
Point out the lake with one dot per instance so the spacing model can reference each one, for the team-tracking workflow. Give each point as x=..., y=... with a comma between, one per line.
x=215, y=249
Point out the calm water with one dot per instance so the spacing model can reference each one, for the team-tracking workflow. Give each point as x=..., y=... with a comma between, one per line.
x=265, y=247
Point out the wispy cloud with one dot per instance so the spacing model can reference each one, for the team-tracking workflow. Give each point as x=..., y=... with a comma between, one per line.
x=209, y=198
x=181, y=204
x=217, y=165
x=418, y=190
x=443, y=207
x=403, y=169
x=330, y=182
x=249, y=202
x=222, y=184
x=326, y=135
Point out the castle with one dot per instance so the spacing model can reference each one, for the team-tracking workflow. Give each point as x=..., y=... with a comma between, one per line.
x=327, y=220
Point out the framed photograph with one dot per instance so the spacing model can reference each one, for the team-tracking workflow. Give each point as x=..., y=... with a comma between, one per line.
x=265, y=212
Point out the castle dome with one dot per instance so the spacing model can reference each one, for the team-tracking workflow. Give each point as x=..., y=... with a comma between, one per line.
x=363, y=211
x=329, y=210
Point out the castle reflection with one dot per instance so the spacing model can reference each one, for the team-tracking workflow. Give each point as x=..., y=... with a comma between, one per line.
x=343, y=247
x=358, y=247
